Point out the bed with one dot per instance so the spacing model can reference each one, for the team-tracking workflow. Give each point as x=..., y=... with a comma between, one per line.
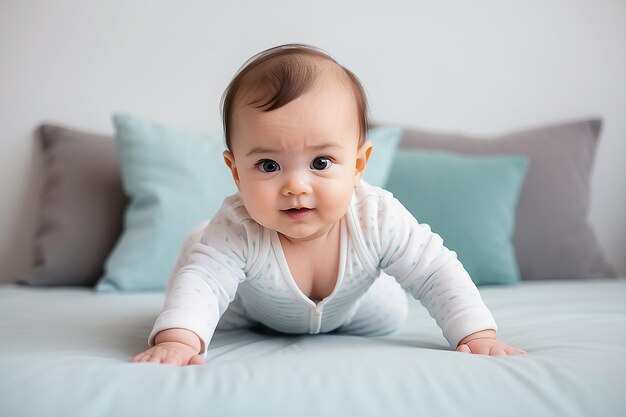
x=65, y=352
x=70, y=327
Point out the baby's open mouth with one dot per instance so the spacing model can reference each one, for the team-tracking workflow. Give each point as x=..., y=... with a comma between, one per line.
x=297, y=213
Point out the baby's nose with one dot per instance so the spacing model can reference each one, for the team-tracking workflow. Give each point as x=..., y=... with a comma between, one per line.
x=296, y=183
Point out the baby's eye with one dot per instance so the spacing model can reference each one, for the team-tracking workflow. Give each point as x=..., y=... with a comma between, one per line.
x=321, y=163
x=267, y=165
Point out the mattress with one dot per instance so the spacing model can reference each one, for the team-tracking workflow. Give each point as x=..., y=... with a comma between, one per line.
x=66, y=352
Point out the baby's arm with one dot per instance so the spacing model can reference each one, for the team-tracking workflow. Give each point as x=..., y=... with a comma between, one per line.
x=173, y=346
x=432, y=274
x=203, y=283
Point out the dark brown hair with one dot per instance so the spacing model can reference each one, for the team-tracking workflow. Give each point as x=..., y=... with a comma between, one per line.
x=276, y=76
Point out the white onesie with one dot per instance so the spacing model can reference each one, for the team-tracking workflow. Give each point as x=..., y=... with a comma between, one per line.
x=234, y=255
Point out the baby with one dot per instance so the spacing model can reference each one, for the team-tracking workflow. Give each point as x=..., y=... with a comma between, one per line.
x=306, y=246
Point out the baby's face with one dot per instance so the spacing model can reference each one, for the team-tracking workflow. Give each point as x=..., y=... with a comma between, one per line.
x=296, y=167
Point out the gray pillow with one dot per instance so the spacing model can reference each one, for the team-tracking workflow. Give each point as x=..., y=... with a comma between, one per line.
x=552, y=236
x=82, y=208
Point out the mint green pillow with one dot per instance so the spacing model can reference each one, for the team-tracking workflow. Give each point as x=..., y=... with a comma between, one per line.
x=174, y=180
x=385, y=140
x=470, y=201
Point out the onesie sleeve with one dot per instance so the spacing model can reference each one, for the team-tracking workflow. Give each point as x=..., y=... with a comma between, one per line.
x=210, y=267
x=418, y=259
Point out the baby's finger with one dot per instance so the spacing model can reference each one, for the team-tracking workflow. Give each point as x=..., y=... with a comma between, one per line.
x=157, y=355
x=514, y=351
x=196, y=360
x=138, y=357
x=143, y=356
x=497, y=350
x=464, y=349
x=480, y=349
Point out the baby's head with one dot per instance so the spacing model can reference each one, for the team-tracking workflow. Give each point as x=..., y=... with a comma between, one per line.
x=275, y=77
x=295, y=123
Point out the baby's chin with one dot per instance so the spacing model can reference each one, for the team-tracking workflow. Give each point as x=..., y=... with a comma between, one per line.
x=307, y=230
x=304, y=234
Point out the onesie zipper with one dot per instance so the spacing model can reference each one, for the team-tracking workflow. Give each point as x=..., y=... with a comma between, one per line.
x=315, y=322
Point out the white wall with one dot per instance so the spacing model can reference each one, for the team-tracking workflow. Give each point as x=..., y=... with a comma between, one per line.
x=474, y=66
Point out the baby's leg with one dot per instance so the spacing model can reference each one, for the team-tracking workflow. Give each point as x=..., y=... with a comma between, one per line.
x=383, y=309
x=234, y=317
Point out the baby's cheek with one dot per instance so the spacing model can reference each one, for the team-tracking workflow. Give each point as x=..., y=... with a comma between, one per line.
x=260, y=207
x=336, y=203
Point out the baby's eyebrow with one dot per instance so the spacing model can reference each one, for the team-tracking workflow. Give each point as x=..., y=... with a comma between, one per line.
x=323, y=146
x=261, y=150
x=329, y=145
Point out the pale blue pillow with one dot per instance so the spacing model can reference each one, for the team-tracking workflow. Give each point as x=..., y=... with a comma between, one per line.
x=470, y=201
x=174, y=180
x=385, y=140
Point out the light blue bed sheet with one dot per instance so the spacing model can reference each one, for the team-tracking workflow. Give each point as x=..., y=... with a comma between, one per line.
x=66, y=352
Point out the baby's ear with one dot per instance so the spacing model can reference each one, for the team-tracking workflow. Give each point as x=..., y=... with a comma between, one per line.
x=229, y=159
x=362, y=156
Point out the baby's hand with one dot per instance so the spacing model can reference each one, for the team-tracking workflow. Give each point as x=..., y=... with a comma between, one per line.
x=173, y=353
x=485, y=343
